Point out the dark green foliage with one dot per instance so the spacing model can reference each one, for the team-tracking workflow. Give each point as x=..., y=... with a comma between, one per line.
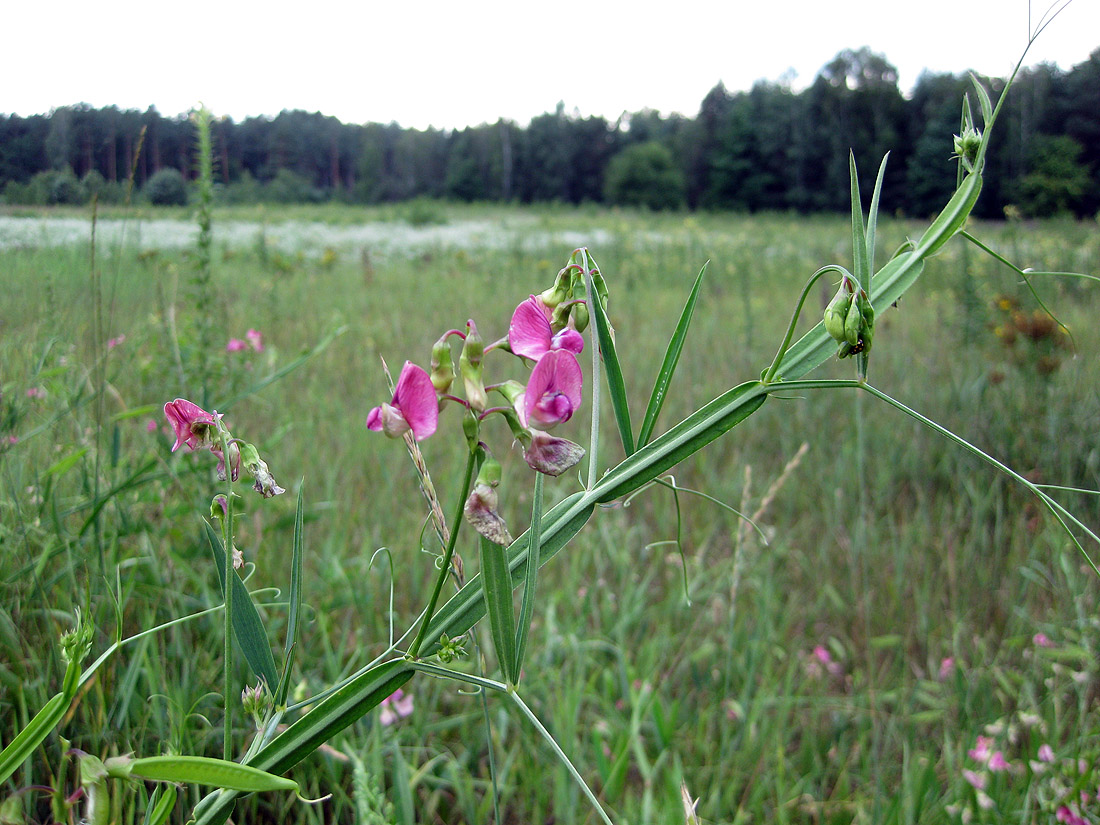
x=1057, y=180
x=166, y=188
x=645, y=175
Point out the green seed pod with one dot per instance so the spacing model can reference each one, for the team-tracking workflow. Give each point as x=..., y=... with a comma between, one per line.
x=853, y=320
x=835, y=313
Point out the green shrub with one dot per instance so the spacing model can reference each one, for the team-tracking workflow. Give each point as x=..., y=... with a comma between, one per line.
x=645, y=175
x=166, y=187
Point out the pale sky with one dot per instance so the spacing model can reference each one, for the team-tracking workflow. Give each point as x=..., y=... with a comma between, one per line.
x=452, y=64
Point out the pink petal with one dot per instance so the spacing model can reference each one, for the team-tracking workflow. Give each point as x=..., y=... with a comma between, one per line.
x=415, y=398
x=554, y=390
x=529, y=332
x=568, y=339
x=183, y=415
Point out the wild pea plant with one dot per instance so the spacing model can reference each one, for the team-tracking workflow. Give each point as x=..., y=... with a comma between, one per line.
x=530, y=377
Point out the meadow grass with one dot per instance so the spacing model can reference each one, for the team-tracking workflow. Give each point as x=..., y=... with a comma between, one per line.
x=840, y=672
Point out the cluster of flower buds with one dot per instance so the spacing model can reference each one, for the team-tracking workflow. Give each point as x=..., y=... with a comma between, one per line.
x=544, y=329
x=201, y=430
x=850, y=319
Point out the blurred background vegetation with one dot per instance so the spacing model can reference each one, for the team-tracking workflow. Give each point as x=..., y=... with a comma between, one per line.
x=770, y=148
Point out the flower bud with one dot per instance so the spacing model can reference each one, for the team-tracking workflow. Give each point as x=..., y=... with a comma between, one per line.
x=836, y=311
x=580, y=316
x=967, y=144
x=853, y=319
x=558, y=292
x=443, y=368
x=469, y=364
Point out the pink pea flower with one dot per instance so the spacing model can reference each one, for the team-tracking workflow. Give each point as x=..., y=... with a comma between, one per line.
x=976, y=780
x=1041, y=640
x=13, y=439
x=114, y=342
x=36, y=392
x=235, y=345
x=981, y=751
x=1069, y=816
x=530, y=335
x=396, y=706
x=414, y=406
x=192, y=425
x=1046, y=753
x=255, y=340
x=997, y=762
x=553, y=392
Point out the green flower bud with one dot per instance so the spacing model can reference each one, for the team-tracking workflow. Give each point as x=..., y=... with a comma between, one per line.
x=469, y=364
x=443, y=368
x=580, y=317
x=853, y=320
x=836, y=311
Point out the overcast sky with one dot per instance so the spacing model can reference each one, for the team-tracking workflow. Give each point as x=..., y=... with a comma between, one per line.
x=452, y=64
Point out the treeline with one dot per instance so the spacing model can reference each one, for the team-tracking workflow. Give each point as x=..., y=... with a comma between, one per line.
x=769, y=148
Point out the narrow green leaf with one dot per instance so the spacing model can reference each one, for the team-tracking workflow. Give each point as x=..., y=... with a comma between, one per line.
x=859, y=237
x=983, y=100
x=615, y=384
x=403, y=805
x=61, y=467
x=163, y=801
x=498, y=604
x=872, y=219
x=686, y=438
x=530, y=578
x=295, y=606
x=248, y=628
x=668, y=366
x=951, y=219
x=23, y=745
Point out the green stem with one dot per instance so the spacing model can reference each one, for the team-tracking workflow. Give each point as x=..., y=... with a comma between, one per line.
x=594, y=442
x=227, y=542
x=769, y=376
x=448, y=553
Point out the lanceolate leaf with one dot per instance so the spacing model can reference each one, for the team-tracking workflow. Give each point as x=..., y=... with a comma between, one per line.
x=248, y=628
x=668, y=367
x=498, y=603
x=295, y=604
x=615, y=385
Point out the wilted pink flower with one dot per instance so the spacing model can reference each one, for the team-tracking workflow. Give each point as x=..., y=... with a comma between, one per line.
x=193, y=425
x=396, y=706
x=114, y=342
x=530, y=334
x=947, y=667
x=235, y=345
x=255, y=340
x=1041, y=640
x=482, y=511
x=414, y=406
x=551, y=455
x=553, y=392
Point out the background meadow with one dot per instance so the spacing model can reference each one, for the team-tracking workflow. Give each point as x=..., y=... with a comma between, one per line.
x=908, y=599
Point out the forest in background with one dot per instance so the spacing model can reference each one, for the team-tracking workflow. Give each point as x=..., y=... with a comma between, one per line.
x=769, y=148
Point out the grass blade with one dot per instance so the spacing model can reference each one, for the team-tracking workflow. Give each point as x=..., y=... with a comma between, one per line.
x=668, y=367
x=248, y=628
x=295, y=607
x=615, y=384
x=498, y=604
x=860, y=265
x=872, y=221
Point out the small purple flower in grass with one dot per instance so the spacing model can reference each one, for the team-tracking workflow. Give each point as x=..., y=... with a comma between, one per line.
x=530, y=334
x=192, y=425
x=553, y=392
x=414, y=406
x=1041, y=640
x=1046, y=753
x=255, y=340
x=236, y=345
x=396, y=706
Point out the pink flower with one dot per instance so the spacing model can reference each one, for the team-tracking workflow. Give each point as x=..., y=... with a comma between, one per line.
x=13, y=439
x=114, y=342
x=947, y=667
x=414, y=406
x=36, y=392
x=255, y=339
x=530, y=334
x=192, y=425
x=235, y=345
x=151, y=426
x=981, y=751
x=1041, y=640
x=1046, y=753
x=396, y=706
x=997, y=762
x=1070, y=816
x=554, y=390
